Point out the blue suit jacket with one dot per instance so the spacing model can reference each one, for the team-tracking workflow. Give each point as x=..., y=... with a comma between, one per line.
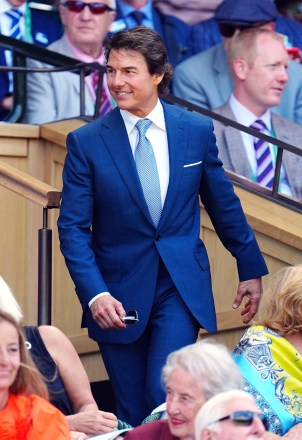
x=175, y=33
x=204, y=80
x=121, y=253
x=45, y=28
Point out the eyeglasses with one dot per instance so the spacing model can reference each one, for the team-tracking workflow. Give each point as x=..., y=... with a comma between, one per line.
x=244, y=418
x=95, y=8
x=131, y=317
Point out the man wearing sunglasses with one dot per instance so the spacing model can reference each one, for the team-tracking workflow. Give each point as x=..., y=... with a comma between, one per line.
x=231, y=415
x=56, y=96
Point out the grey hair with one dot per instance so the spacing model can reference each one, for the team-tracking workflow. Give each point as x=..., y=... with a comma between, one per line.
x=213, y=410
x=8, y=303
x=209, y=363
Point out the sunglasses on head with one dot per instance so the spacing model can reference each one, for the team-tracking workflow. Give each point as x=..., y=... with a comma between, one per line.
x=95, y=8
x=130, y=318
x=245, y=418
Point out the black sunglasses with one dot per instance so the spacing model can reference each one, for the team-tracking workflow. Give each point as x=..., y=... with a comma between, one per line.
x=95, y=8
x=245, y=418
x=131, y=317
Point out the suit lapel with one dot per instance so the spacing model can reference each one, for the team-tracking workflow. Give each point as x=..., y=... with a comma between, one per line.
x=115, y=137
x=177, y=133
x=235, y=147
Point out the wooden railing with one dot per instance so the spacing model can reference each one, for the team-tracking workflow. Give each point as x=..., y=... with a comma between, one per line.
x=47, y=197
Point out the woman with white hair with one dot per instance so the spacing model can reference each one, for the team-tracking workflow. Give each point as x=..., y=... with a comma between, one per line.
x=191, y=376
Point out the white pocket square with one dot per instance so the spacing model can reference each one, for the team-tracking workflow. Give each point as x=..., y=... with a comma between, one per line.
x=192, y=164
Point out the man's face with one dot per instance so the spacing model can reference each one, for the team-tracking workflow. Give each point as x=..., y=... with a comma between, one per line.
x=229, y=430
x=85, y=29
x=130, y=83
x=184, y=398
x=16, y=3
x=265, y=77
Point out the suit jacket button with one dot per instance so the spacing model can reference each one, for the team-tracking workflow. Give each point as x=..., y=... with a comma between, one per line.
x=157, y=238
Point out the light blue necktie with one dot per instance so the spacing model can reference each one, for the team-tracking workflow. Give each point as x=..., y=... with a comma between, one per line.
x=15, y=29
x=147, y=171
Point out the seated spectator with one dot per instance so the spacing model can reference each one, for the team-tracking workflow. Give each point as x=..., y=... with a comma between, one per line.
x=24, y=412
x=230, y=415
x=174, y=32
x=191, y=376
x=191, y=11
x=65, y=377
x=290, y=8
x=204, y=79
x=258, y=61
x=269, y=354
x=56, y=96
x=21, y=21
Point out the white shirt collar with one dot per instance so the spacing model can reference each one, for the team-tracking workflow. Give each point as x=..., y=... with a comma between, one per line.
x=245, y=116
x=156, y=116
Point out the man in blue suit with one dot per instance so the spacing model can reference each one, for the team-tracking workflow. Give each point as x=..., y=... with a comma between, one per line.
x=175, y=33
x=119, y=255
x=38, y=25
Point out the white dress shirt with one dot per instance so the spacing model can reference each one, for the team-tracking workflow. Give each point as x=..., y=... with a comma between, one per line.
x=157, y=135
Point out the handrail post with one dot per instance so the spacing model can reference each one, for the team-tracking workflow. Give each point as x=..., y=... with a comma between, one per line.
x=44, y=271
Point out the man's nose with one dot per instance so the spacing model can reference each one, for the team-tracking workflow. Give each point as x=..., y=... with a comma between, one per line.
x=86, y=14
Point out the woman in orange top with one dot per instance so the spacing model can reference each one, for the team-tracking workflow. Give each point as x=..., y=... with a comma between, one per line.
x=25, y=414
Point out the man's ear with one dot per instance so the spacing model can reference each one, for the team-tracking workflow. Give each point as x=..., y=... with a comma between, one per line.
x=240, y=68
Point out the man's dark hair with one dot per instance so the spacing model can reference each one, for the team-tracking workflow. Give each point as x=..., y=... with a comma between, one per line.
x=148, y=43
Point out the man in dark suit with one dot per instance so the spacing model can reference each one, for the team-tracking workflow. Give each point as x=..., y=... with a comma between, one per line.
x=175, y=33
x=39, y=24
x=130, y=236
x=258, y=61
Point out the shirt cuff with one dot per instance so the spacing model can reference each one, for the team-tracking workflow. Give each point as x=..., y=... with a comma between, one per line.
x=97, y=296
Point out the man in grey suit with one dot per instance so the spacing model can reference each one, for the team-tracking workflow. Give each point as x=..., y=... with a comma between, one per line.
x=56, y=96
x=204, y=79
x=258, y=61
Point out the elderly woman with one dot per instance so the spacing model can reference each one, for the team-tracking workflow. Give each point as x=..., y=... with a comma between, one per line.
x=269, y=354
x=191, y=376
x=23, y=413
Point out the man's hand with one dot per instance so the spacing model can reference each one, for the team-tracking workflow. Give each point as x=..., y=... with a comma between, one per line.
x=252, y=289
x=107, y=312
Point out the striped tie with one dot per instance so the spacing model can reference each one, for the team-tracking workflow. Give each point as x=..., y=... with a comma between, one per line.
x=147, y=171
x=106, y=102
x=15, y=29
x=265, y=168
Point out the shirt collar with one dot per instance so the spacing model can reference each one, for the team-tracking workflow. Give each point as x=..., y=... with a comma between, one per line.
x=156, y=116
x=6, y=6
x=245, y=116
x=127, y=10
